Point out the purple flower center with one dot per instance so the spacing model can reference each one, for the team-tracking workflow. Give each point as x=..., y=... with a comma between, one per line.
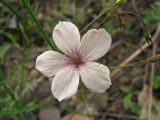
x=76, y=61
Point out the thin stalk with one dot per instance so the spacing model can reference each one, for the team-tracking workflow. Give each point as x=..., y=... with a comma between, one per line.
x=105, y=10
x=24, y=34
x=131, y=64
x=153, y=68
x=46, y=38
x=153, y=59
x=145, y=29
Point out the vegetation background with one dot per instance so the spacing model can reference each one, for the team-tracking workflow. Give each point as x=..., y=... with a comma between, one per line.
x=25, y=32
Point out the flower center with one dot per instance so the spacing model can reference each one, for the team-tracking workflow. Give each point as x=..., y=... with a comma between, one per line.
x=76, y=61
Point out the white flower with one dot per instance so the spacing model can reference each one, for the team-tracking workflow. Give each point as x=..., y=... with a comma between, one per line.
x=77, y=60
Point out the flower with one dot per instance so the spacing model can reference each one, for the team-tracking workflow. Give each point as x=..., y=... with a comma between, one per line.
x=77, y=60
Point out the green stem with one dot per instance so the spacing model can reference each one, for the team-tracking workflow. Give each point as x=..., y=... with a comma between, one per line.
x=146, y=31
x=24, y=34
x=46, y=38
x=105, y=10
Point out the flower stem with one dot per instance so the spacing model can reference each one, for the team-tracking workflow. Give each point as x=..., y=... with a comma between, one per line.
x=145, y=29
x=44, y=34
x=105, y=10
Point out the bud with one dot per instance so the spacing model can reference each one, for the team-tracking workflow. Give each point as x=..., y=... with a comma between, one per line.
x=119, y=2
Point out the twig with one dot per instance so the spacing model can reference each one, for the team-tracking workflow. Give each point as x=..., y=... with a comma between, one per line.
x=151, y=84
x=129, y=117
x=152, y=59
x=137, y=52
x=134, y=6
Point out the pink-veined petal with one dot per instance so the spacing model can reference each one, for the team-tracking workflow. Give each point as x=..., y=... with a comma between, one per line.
x=95, y=44
x=65, y=83
x=95, y=76
x=50, y=62
x=67, y=37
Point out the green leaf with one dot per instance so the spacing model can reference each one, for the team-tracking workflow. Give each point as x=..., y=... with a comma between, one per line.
x=156, y=82
x=130, y=105
x=125, y=89
x=155, y=110
x=127, y=101
x=152, y=15
x=3, y=50
x=136, y=108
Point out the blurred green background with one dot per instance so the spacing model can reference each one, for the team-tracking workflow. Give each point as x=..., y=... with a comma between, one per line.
x=25, y=32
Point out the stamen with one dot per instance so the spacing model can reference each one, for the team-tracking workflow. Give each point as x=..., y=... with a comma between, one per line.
x=78, y=60
x=75, y=60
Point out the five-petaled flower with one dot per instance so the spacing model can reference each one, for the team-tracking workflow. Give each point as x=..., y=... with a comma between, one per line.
x=77, y=60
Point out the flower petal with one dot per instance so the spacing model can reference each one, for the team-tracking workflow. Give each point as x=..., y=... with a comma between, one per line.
x=65, y=83
x=95, y=44
x=66, y=36
x=95, y=76
x=50, y=62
